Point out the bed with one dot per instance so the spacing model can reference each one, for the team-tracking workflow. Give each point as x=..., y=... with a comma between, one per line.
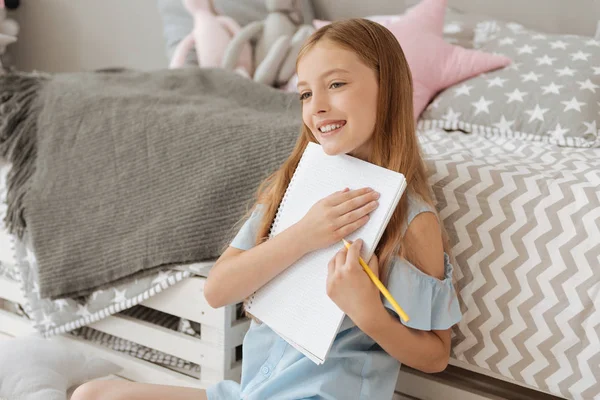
x=521, y=208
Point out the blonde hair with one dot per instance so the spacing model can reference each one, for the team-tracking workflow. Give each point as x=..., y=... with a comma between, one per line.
x=394, y=141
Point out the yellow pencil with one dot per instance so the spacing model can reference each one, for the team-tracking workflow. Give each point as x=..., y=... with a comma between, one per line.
x=379, y=285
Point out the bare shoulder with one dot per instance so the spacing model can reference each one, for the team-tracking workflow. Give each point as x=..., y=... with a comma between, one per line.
x=423, y=244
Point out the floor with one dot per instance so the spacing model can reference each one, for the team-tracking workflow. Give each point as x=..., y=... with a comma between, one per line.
x=6, y=337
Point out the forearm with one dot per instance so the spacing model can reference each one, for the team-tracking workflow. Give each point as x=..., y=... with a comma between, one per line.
x=422, y=350
x=233, y=279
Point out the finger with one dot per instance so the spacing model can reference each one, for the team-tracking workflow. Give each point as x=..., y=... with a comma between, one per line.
x=346, y=230
x=348, y=195
x=333, y=198
x=354, y=254
x=340, y=258
x=353, y=200
x=357, y=214
x=331, y=267
x=374, y=265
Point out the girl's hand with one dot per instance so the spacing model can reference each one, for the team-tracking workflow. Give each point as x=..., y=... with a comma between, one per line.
x=336, y=216
x=349, y=286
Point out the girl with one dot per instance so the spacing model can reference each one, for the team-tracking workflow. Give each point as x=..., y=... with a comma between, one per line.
x=356, y=93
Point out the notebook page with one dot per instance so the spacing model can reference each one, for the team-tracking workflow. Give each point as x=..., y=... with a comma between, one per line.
x=295, y=303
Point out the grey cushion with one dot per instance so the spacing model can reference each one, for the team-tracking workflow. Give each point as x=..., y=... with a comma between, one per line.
x=331, y=10
x=243, y=11
x=550, y=93
x=246, y=11
x=459, y=27
x=177, y=23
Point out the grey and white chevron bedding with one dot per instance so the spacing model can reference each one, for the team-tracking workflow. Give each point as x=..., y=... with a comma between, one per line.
x=524, y=221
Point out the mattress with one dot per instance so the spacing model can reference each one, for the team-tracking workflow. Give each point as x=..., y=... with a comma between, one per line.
x=7, y=257
x=67, y=314
x=524, y=224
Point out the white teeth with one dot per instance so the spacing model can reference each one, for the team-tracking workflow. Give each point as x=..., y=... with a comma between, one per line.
x=328, y=128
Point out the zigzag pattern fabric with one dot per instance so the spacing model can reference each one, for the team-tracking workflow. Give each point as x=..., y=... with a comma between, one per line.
x=523, y=218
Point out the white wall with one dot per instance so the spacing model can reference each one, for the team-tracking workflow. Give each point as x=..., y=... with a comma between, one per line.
x=553, y=16
x=79, y=35
x=76, y=35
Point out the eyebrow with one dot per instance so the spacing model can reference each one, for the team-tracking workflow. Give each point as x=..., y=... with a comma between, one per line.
x=325, y=74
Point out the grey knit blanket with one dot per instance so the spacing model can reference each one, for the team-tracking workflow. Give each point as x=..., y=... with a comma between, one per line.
x=118, y=173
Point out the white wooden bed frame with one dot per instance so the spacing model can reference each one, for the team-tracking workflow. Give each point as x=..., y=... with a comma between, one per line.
x=215, y=350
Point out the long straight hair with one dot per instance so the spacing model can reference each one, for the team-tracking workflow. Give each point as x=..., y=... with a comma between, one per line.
x=394, y=141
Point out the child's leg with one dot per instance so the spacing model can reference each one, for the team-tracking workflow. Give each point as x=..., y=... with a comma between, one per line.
x=125, y=390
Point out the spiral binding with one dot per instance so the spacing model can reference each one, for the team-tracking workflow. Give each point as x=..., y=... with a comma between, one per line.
x=285, y=195
x=277, y=214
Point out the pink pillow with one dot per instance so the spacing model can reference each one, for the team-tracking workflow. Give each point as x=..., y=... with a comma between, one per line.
x=434, y=63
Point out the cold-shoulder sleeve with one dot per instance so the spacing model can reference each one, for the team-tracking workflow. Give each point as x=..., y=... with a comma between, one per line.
x=246, y=236
x=430, y=303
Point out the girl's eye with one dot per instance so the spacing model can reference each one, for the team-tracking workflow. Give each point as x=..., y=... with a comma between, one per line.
x=336, y=85
x=304, y=95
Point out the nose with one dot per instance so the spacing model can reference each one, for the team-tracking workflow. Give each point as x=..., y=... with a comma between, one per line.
x=320, y=103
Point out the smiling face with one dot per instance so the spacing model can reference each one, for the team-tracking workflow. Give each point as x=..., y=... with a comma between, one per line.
x=339, y=98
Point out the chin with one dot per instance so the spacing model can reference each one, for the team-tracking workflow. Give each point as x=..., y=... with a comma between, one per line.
x=331, y=149
x=332, y=146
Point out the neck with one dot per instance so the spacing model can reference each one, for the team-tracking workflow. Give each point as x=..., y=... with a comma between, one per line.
x=363, y=151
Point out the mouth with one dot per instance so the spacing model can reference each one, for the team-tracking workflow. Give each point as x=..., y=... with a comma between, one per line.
x=330, y=127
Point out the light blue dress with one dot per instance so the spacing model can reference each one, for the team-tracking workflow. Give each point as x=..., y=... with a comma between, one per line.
x=356, y=367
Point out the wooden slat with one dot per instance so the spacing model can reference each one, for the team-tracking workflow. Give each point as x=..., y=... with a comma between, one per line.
x=135, y=369
x=226, y=337
x=11, y=290
x=186, y=300
x=215, y=354
x=163, y=339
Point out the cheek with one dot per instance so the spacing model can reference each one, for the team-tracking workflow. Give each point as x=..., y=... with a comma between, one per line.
x=370, y=110
x=362, y=108
x=306, y=118
x=366, y=113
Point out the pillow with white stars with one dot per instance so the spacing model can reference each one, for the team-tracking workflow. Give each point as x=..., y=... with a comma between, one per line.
x=550, y=93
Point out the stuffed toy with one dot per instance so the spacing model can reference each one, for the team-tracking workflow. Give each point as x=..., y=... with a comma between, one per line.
x=278, y=39
x=210, y=36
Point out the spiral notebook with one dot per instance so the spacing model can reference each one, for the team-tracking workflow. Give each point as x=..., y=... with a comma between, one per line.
x=295, y=303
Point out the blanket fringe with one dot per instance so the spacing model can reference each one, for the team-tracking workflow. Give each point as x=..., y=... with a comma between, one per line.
x=19, y=112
